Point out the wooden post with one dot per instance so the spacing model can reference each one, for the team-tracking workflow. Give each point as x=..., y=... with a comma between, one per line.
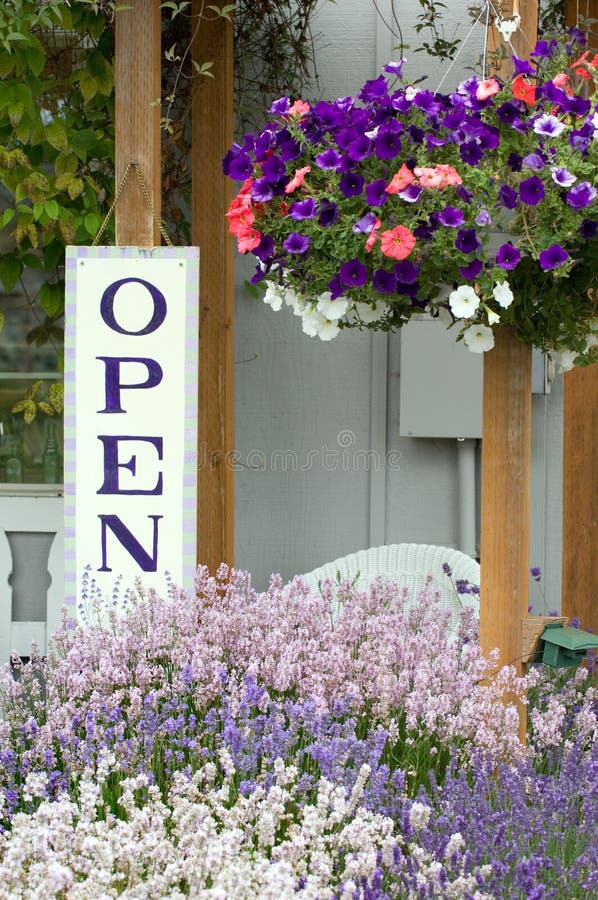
x=137, y=115
x=212, y=134
x=580, y=496
x=580, y=460
x=506, y=451
x=523, y=40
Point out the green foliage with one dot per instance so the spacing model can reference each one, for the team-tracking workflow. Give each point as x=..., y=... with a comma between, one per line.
x=56, y=143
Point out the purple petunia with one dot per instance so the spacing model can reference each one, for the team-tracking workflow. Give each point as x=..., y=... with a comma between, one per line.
x=351, y=184
x=365, y=224
x=384, y=282
x=273, y=169
x=451, y=217
x=548, y=126
x=327, y=212
x=406, y=272
x=329, y=159
x=508, y=257
x=280, y=107
x=531, y=190
x=507, y=197
x=353, y=273
x=533, y=161
x=387, y=143
x=303, y=209
x=553, y=257
x=375, y=193
x=296, y=243
x=472, y=270
x=411, y=193
x=563, y=177
x=581, y=195
x=238, y=167
x=262, y=190
x=467, y=240
x=588, y=229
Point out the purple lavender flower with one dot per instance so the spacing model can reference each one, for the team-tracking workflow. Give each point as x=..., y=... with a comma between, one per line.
x=581, y=195
x=353, y=273
x=531, y=190
x=553, y=257
x=296, y=243
x=508, y=257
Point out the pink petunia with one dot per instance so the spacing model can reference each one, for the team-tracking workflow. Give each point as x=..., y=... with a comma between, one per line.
x=297, y=179
x=372, y=237
x=397, y=242
x=429, y=177
x=298, y=108
x=487, y=89
x=450, y=176
x=400, y=181
x=249, y=240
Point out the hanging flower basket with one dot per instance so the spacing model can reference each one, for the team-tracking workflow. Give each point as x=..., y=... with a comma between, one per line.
x=368, y=210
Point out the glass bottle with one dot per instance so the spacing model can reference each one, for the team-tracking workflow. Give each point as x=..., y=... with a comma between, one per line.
x=51, y=457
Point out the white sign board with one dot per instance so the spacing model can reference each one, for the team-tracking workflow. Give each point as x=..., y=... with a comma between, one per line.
x=130, y=416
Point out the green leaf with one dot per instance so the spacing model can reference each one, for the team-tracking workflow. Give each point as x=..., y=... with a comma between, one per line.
x=88, y=84
x=53, y=254
x=52, y=209
x=1, y=320
x=15, y=113
x=75, y=188
x=51, y=297
x=38, y=209
x=56, y=396
x=92, y=223
x=6, y=217
x=36, y=59
x=66, y=163
x=32, y=261
x=10, y=270
x=56, y=136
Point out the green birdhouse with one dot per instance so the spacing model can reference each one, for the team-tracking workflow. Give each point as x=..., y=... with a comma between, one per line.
x=561, y=646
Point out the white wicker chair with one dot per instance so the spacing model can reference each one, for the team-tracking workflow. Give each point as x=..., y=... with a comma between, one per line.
x=409, y=565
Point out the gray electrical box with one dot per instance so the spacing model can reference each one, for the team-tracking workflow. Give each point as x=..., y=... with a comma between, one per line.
x=440, y=383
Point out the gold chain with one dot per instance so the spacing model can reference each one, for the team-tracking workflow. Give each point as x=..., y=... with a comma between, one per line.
x=133, y=164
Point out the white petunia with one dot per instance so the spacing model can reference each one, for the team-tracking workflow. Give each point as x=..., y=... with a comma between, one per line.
x=565, y=359
x=503, y=294
x=316, y=325
x=332, y=309
x=493, y=318
x=478, y=338
x=369, y=313
x=297, y=303
x=463, y=302
x=274, y=296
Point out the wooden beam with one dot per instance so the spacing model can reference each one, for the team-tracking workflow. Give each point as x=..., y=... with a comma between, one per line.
x=137, y=117
x=212, y=134
x=506, y=452
x=580, y=496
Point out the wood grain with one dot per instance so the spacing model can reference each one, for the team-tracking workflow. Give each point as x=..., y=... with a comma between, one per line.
x=212, y=134
x=137, y=117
